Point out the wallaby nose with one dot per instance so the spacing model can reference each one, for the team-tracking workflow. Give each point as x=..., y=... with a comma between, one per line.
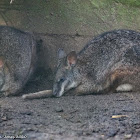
x=55, y=94
x=55, y=91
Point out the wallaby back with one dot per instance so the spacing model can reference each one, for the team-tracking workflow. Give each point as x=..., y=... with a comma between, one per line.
x=18, y=55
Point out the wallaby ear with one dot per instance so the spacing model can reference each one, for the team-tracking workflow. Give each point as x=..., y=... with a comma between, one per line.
x=72, y=58
x=61, y=53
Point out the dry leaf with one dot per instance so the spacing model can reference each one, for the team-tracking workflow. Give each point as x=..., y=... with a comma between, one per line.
x=118, y=116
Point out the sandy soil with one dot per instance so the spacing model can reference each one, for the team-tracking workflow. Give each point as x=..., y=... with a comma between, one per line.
x=72, y=117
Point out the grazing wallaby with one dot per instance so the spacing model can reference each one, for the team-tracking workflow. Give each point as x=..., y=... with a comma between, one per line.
x=17, y=59
x=110, y=62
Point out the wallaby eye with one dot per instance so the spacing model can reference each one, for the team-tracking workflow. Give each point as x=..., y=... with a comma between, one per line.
x=62, y=79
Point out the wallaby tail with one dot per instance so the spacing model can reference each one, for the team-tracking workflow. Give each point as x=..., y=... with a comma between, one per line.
x=38, y=95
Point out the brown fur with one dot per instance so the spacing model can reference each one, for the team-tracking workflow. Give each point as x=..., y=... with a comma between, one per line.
x=123, y=72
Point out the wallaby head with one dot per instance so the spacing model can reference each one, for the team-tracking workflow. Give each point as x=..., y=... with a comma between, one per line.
x=67, y=74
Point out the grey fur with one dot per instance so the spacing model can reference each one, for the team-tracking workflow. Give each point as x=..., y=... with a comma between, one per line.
x=108, y=61
x=18, y=53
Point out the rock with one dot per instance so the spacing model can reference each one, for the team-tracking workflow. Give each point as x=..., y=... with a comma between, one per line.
x=59, y=109
x=26, y=113
x=127, y=136
x=112, y=132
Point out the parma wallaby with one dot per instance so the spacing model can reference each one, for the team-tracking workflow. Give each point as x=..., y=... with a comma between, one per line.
x=108, y=63
x=17, y=59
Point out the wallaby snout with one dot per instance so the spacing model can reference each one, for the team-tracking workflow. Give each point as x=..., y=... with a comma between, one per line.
x=60, y=88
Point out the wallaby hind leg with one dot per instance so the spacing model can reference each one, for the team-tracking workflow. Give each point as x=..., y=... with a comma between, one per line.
x=125, y=79
x=10, y=86
x=11, y=89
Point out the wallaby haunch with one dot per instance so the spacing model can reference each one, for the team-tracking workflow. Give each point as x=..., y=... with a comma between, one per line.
x=17, y=59
x=108, y=63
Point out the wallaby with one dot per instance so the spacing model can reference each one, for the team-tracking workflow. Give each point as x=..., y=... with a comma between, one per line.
x=108, y=63
x=17, y=59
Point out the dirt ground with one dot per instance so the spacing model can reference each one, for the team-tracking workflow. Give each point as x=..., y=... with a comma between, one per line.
x=113, y=116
